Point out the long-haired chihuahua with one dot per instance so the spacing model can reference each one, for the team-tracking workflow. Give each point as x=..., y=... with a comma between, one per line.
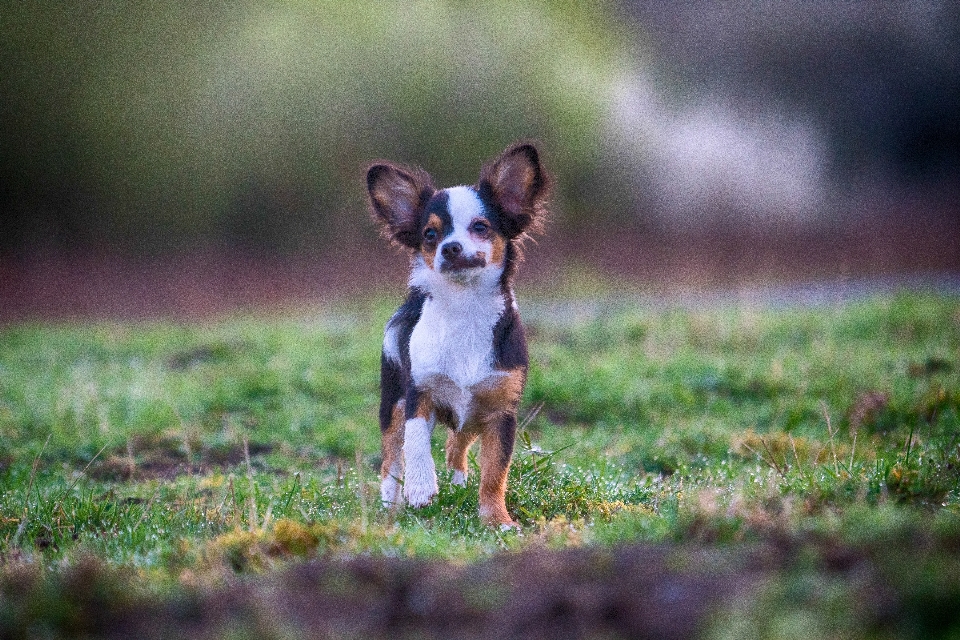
x=455, y=350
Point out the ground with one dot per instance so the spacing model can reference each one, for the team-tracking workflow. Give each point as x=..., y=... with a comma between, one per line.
x=730, y=468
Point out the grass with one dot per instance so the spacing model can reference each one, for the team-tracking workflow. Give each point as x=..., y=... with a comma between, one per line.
x=192, y=455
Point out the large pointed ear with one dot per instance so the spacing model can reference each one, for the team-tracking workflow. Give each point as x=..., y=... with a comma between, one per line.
x=398, y=196
x=517, y=185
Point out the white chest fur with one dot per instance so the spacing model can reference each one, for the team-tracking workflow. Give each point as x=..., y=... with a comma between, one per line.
x=454, y=338
x=451, y=347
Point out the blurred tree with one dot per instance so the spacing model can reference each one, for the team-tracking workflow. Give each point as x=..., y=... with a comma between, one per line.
x=146, y=126
x=143, y=126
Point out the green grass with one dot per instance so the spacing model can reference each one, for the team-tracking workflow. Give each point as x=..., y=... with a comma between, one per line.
x=193, y=453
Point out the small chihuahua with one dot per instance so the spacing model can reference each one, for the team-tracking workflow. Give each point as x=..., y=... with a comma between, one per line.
x=455, y=351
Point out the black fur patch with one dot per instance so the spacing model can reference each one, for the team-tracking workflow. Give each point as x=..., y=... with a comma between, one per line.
x=460, y=263
x=439, y=206
x=508, y=434
x=509, y=341
x=491, y=210
x=395, y=377
x=391, y=389
x=404, y=320
x=412, y=401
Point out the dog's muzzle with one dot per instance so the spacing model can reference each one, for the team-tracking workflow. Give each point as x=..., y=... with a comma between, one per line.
x=454, y=260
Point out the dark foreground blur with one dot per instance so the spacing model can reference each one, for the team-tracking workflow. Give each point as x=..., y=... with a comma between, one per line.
x=815, y=586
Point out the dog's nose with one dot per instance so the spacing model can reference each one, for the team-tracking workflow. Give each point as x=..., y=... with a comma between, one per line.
x=451, y=250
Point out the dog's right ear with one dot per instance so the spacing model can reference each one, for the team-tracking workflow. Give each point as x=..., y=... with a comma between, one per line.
x=398, y=196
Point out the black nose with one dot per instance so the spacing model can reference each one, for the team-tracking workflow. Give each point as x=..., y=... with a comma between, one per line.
x=451, y=250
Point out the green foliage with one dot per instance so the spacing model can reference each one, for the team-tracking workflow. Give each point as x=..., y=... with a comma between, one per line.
x=253, y=121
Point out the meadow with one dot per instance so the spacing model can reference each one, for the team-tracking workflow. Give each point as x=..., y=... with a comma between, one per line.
x=724, y=470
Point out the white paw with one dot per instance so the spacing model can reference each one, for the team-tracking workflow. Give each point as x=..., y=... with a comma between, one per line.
x=419, y=494
x=390, y=492
x=459, y=478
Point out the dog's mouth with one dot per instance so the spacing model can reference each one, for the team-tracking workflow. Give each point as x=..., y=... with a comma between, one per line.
x=461, y=263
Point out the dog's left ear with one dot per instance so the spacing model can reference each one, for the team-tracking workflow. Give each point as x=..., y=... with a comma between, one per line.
x=517, y=185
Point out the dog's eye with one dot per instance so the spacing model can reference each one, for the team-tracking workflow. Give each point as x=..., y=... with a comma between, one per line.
x=480, y=228
x=430, y=235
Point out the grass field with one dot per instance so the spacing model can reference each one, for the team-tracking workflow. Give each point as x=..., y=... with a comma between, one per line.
x=753, y=471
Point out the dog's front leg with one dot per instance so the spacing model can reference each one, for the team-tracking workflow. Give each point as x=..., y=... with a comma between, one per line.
x=419, y=471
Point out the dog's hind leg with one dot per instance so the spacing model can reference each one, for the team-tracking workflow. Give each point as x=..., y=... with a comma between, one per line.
x=391, y=471
x=458, y=444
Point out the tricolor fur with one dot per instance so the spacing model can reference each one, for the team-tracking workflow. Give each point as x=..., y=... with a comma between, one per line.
x=455, y=350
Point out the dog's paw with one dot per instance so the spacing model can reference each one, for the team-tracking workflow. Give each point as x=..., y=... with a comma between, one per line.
x=496, y=515
x=391, y=492
x=459, y=478
x=419, y=494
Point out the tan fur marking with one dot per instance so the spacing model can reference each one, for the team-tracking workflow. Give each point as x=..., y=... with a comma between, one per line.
x=424, y=406
x=458, y=445
x=430, y=253
x=392, y=440
x=503, y=397
x=498, y=248
x=493, y=479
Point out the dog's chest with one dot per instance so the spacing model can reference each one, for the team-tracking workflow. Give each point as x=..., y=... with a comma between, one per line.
x=454, y=339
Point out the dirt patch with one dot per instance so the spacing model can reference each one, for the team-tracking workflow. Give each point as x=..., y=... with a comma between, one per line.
x=204, y=354
x=164, y=456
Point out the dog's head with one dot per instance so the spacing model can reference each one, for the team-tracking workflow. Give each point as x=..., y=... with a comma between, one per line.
x=462, y=232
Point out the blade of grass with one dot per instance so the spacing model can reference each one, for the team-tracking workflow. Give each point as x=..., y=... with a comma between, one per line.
x=831, y=432
x=26, y=497
x=251, y=498
x=82, y=473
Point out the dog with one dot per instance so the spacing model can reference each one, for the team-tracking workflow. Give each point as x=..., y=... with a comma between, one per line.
x=455, y=350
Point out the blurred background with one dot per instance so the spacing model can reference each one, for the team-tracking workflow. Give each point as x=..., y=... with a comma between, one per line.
x=187, y=158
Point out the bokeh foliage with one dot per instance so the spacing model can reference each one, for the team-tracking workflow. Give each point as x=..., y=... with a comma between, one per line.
x=150, y=124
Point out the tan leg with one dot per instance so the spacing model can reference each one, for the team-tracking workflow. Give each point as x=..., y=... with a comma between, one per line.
x=458, y=444
x=391, y=471
x=496, y=448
